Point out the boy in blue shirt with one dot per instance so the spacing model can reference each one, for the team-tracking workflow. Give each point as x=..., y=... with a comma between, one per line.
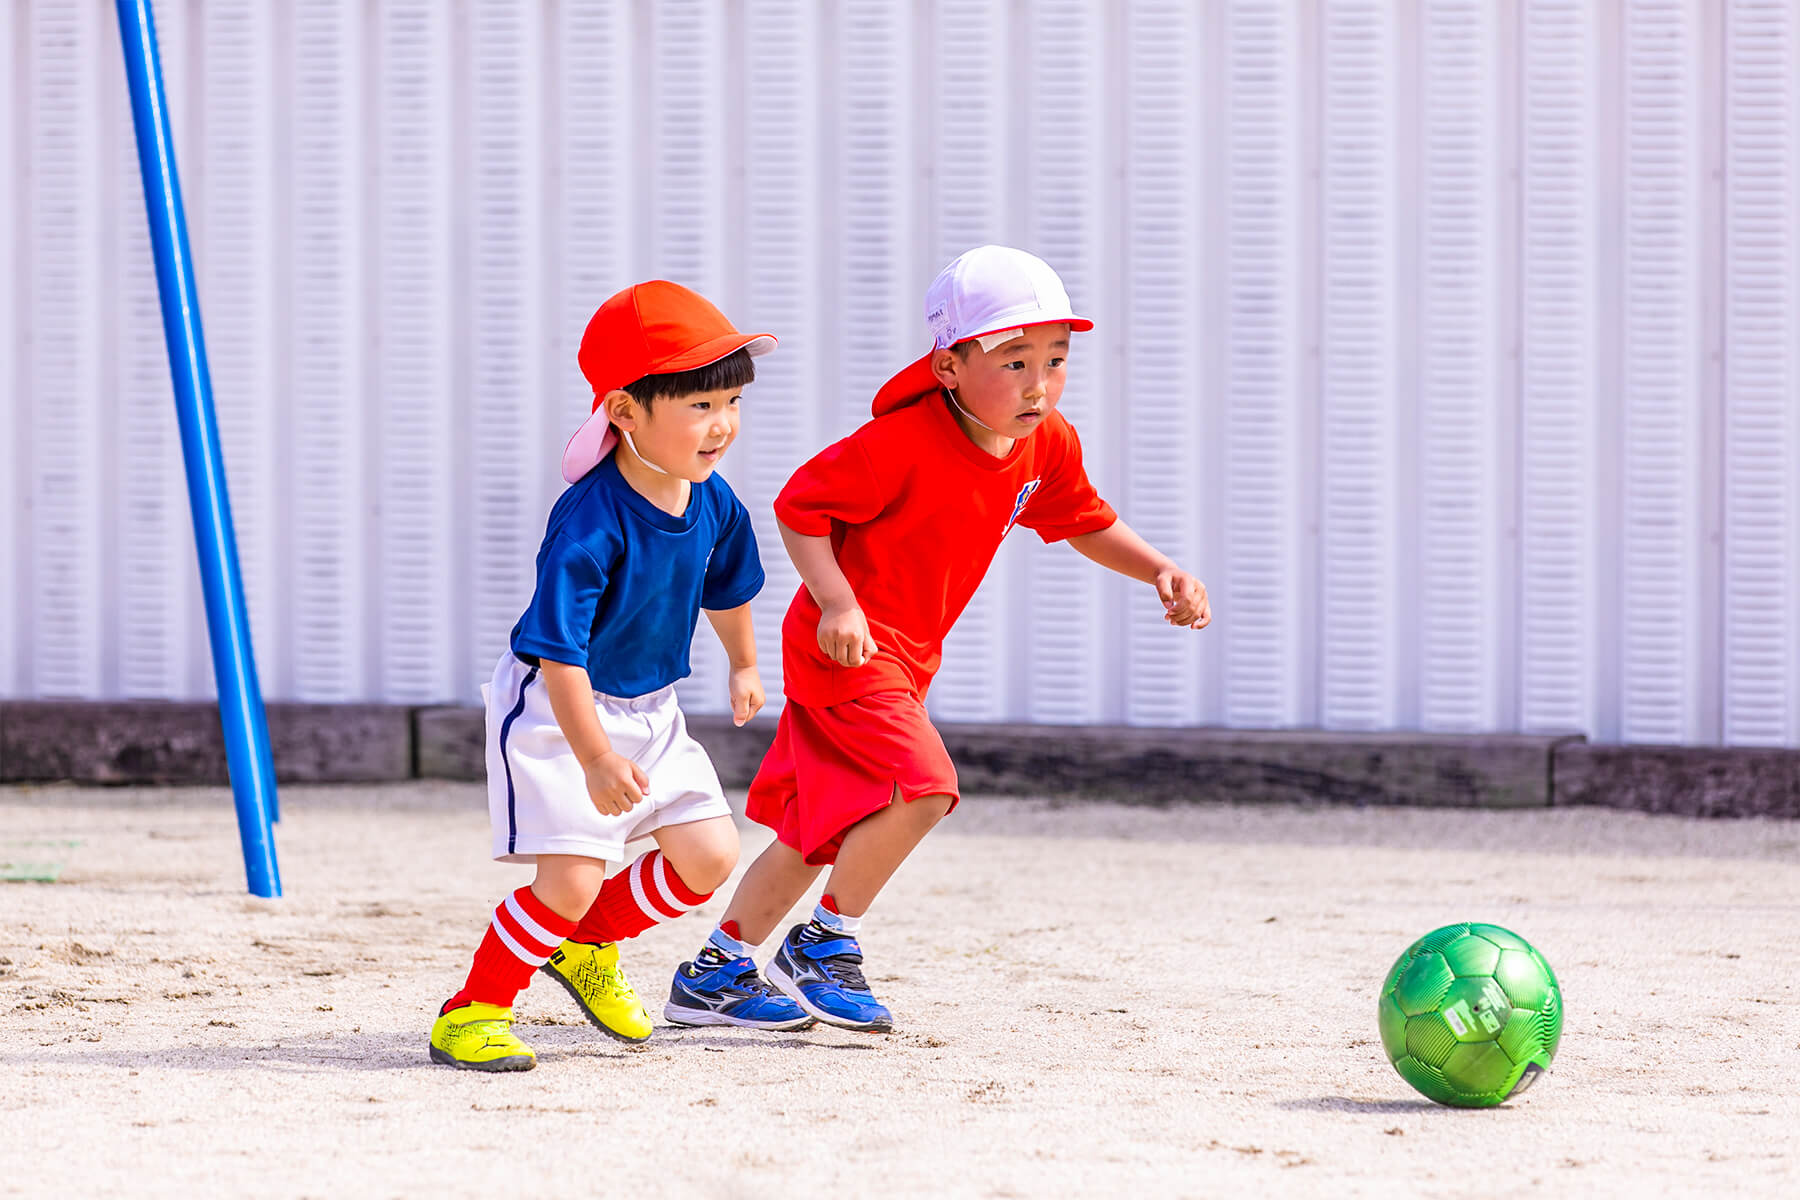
x=587, y=748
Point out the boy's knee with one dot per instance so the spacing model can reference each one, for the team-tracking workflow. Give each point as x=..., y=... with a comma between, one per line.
x=706, y=871
x=566, y=884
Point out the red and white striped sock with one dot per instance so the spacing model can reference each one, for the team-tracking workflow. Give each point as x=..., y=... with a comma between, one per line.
x=523, y=933
x=645, y=893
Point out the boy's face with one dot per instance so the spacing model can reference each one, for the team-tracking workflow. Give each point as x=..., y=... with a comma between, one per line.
x=684, y=435
x=1013, y=388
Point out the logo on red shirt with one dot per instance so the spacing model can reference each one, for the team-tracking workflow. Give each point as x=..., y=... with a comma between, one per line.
x=1019, y=505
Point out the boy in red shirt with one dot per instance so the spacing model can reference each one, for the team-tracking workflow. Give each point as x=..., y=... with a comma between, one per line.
x=892, y=529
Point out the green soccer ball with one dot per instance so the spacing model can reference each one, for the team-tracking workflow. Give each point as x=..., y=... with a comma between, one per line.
x=1470, y=1015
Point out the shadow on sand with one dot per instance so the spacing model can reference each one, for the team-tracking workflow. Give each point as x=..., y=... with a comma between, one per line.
x=399, y=1051
x=1361, y=1104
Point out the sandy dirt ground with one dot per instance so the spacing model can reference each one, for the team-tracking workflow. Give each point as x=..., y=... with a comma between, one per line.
x=1092, y=999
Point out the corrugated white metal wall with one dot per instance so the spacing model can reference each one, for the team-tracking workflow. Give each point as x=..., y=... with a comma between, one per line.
x=1456, y=343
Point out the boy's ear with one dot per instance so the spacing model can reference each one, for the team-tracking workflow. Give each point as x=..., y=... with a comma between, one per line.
x=621, y=408
x=943, y=365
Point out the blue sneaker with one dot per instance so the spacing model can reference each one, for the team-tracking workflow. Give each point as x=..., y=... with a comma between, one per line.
x=822, y=971
x=731, y=994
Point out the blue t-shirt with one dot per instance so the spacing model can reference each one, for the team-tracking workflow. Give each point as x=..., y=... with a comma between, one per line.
x=620, y=582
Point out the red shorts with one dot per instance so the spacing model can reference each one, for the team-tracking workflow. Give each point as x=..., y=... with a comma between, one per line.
x=831, y=767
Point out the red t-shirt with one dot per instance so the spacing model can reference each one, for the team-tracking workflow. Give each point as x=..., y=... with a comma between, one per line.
x=915, y=512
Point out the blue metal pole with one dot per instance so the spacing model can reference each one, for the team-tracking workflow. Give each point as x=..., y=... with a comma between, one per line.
x=240, y=698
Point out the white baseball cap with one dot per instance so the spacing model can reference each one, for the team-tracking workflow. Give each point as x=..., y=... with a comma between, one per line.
x=995, y=289
x=989, y=295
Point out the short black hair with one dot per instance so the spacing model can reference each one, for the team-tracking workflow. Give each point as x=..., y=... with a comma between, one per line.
x=732, y=371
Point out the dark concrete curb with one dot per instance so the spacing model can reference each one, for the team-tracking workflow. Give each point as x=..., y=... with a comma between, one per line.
x=451, y=743
x=154, y=742
x=1156, y=766
x=1172, y=765
x=1692, y=781
x=162, y=742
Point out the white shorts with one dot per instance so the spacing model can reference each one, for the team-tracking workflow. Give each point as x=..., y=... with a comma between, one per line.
x=537, y=792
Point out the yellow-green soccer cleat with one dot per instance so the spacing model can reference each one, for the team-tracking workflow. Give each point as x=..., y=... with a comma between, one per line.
x=479, y=1037
x=592, y=976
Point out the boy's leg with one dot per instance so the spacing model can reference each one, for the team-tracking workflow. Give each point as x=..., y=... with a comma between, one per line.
x=872, y=851
x=473, y=1028
x=722, y=986
x=568, y=883
x=690, y=861
x=527, y=926
x=820, y=963
x=697, y=846
x=768, y=892
x=875, y=846
x=837, y=778
x=702, y=852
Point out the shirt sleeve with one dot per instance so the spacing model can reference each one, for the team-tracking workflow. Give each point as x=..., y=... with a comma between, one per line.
x=1065, y=505
x=838, y=483
x=734, y=573
x=559, y=623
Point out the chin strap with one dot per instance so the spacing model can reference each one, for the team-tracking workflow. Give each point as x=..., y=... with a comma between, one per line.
x=965, y=412
x=626, y=434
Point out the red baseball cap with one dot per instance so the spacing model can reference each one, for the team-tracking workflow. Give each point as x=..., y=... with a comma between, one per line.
x=652, y=328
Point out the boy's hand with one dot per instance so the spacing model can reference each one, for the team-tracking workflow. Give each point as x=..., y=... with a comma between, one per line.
x=746, y=694
x=844, y=636
x=615, y=784
x=1184, y=597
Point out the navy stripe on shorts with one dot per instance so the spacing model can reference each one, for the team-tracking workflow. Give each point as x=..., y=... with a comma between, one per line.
x=512, y=819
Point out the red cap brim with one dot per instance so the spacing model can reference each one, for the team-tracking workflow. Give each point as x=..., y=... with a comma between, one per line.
x=912, y=383
x=915, y=381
